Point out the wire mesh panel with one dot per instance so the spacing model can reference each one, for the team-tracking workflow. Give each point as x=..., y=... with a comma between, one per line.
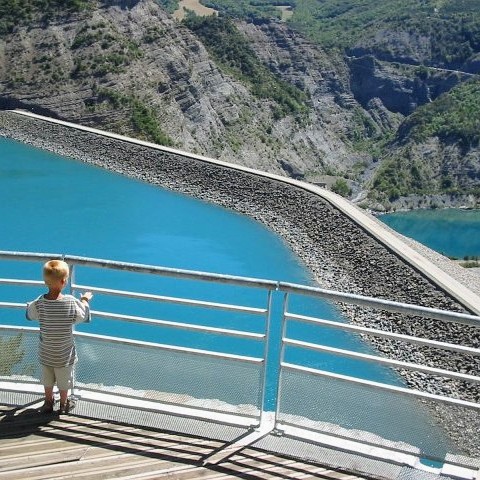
x=363, y=413
x=154, y=419
x=435, y=429
x=18, y=355
x=335, y=459
x=169, y=376
x=408, y=384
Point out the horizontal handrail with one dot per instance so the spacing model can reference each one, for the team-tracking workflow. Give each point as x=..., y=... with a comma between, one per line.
x=383, y=334
x=143, y=268
x=172, y=272
x=14, y=305
x=19, y=329
x=174, y=348
x=173, y=300
x=378, y=303
x=382, y=360
x=180, y=325
x=20, y=282
x=30, y=256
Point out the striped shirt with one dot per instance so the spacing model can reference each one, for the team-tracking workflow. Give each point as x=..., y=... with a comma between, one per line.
x=56, y=318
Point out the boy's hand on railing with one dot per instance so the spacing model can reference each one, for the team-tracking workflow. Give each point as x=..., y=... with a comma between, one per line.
x=86, y=297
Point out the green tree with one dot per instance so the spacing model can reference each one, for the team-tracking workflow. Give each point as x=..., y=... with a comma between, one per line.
x=341, y=187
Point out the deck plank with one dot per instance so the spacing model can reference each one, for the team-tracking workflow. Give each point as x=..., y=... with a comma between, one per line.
x=39, y=447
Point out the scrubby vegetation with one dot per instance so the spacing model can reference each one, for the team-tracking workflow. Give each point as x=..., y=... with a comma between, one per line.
x=142, y=118
x=446, y=33
x=451, y=28
x=341, y=187
x=116, y=51
x=20, y=12
x=403, y=175
x=453, y=116
x=12, y=352
x=233, y=52
x=169, y=5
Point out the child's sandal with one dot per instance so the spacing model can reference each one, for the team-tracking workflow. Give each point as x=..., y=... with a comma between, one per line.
x=69, y=406
x=47, y=407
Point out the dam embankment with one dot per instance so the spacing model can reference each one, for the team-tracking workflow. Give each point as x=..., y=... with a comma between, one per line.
x=340, y=253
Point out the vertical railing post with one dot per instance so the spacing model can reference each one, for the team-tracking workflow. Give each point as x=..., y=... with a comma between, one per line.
x=272, y=355
x=266, y=349
x=282, y=354
x=71, y=281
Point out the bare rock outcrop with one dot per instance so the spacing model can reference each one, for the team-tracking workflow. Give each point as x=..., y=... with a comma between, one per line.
x=125, y=65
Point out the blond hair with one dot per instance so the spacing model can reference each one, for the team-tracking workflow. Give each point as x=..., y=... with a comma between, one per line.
x=54, y=271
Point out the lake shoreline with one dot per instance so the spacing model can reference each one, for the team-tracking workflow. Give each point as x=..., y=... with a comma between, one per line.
x=453, y=232
x=434, y=201
x=309, y=226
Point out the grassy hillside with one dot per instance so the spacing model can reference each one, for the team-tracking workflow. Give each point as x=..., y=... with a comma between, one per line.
x=344, y=23
x=249, y=9
x=336, y=23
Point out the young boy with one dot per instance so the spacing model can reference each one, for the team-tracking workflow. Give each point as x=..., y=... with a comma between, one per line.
x=56, y=314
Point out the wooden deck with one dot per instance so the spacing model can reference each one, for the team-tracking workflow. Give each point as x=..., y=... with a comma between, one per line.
x=35, y=446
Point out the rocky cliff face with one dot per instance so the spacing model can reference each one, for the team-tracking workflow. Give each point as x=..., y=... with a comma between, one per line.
x=92, y=66
x=128, y=66
x=401, y=88
x=125, y=64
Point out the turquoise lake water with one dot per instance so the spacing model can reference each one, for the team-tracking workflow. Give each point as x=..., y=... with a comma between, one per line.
x=49, y=204
x=54, y=205
x=453, y=232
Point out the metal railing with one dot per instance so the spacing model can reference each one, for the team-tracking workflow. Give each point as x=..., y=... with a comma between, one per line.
x=235, y=352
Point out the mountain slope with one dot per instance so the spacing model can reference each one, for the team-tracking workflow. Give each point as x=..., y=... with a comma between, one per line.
x=247, y=88
x=131, y=68
x=436, y=150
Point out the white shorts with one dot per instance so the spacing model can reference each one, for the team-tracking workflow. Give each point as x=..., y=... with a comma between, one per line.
x=62, y=376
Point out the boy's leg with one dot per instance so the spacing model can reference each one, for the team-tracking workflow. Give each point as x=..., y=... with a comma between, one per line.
x=48, y=393
x=64, y=376
x=48, y=380
x=63, y=397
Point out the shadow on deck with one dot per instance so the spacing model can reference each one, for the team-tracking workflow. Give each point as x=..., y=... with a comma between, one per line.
x=36, y=446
